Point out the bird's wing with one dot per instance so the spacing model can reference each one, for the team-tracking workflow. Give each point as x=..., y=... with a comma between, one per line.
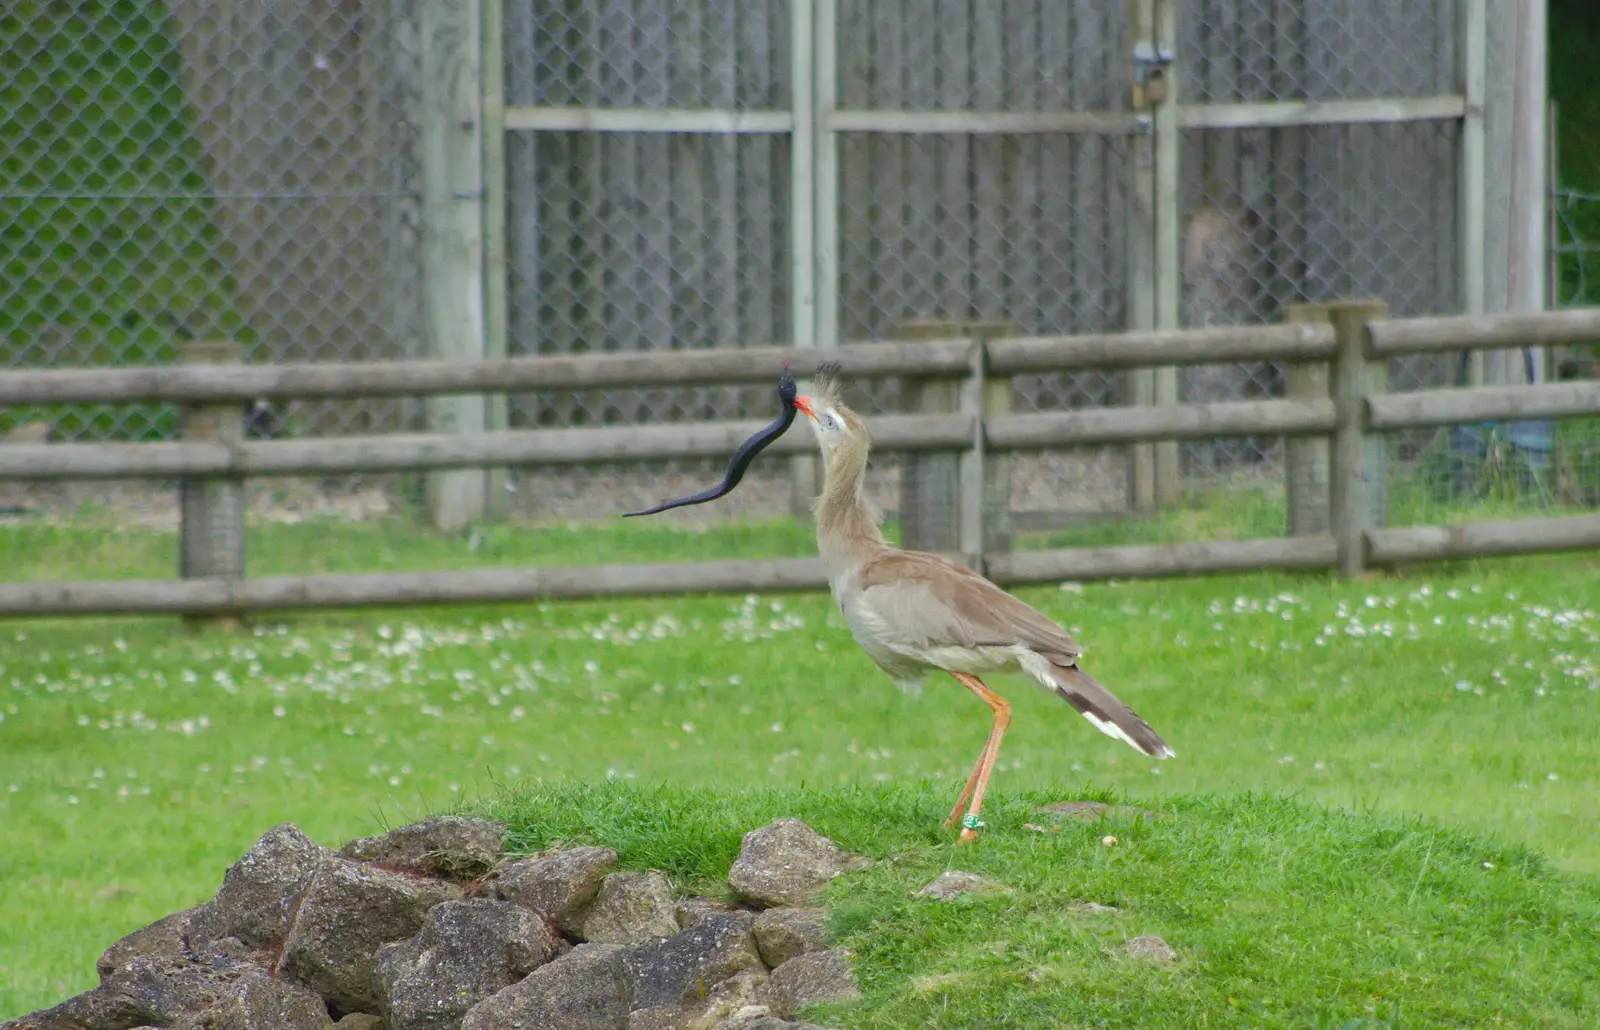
x=921, y=600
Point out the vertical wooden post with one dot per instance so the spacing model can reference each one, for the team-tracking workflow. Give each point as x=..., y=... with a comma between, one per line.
x=1359, y=485
x=1169, y=230
x=1306, y=474
x=958, y=502
x=1473, y=75
x=211, y=511
x=813, y=159
x=1525, y=285
x=930, y=515
x=452, y=236
x=1141, y=272
x=497, y=315
x=999, y=397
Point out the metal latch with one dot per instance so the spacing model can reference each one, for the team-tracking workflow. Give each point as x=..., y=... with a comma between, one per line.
x=1150, y=61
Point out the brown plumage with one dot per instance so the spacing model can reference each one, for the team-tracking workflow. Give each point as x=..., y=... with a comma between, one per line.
x=914, y=613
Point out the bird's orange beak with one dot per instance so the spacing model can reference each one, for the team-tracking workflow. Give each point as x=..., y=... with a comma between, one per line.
x=804, y=404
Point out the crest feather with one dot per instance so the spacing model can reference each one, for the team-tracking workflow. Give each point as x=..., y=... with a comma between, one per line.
x=825, y=385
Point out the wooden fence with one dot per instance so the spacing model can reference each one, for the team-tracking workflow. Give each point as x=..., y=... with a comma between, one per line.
x=1335, y=419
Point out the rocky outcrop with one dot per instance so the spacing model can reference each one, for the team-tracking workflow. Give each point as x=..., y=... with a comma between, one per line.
x=427, y=927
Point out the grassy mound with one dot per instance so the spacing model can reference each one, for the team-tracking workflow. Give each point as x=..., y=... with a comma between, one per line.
x=1283, y=914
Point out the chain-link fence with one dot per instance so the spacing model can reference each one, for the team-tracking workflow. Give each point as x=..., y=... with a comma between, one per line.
x=195, y=170
x=1500, y=470
x=200, y=168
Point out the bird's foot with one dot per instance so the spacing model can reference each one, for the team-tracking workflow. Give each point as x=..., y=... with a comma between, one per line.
x=967, y=837
x=969, y=828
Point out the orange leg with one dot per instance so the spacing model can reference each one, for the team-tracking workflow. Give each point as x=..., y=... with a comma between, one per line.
x=972, y=783
x=978, y=783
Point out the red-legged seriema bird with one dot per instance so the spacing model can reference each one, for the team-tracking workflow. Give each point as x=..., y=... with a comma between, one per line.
x=915, y=613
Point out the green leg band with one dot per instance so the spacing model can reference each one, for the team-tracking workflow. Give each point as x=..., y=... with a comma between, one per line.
x=971, y=822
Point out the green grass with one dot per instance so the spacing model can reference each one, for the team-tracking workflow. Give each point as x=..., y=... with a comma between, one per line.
x=137, y=761
x=1284, y=914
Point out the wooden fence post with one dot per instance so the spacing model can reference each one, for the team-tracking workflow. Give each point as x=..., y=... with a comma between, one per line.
x=1306, y=474
x=930, y=513
x=211, y=511
x=1359, y=486
x=932, y=485
x=999, y=398
x=453, y=237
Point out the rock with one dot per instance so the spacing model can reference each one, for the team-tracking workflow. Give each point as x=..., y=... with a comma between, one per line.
x=348, y=914
x=790, y=930
x=787, y=863
x=631, y=908
x=692, y=910
x=760, y=1017
x=809, y=979
x=164, y=937
x=585, y=989
x=359, y=1021
x=952, y=882
x=259, y=1002
x=1092, y=908
x=466, y=951
x=1150, y=948
x=149, y=990
x=261, y=891
x=1089, y=811
x=561, y=885
x=681, y=970
x=449, y=846
x=743, y=990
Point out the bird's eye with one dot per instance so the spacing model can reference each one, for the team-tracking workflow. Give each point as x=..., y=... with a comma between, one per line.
x=829, y=421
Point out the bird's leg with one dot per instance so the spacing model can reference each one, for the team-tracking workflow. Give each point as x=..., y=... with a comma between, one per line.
x=972, y=782
x=978, y=785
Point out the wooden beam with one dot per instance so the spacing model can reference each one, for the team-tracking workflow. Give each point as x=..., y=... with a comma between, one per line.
x=1485, y=403
x=646, y=119
x=1178, y=422
x=485, y=586
x=179, y=383
x=477, y=586
x=402, y=452
x=1285, y=114
x=1483, y=539
x=1078, y=563
x=975, y=123
x=1168, y=347
x=452, y=235
x=1393, y=337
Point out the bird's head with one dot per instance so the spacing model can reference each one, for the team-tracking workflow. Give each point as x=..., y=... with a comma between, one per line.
x=835, y=426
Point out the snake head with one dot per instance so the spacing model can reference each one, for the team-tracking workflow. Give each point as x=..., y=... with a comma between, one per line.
x=786, y=387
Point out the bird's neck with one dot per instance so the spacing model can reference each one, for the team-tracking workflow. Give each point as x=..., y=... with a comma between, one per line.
x=845, y=521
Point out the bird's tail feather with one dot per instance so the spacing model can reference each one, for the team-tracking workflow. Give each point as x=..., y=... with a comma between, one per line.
x=1106, y=711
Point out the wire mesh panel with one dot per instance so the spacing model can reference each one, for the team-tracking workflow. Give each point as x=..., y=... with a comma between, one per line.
x=646, y=241
x=650, y=240
x=1274, y=216
x=203, y=169
x=1029, y=229
x=1255, y=50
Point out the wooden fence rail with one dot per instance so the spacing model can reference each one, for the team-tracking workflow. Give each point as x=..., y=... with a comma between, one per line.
x=1343, y=410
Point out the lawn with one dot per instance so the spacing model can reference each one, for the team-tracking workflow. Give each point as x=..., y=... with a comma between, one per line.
x=137, y=761
x=1282, y=914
